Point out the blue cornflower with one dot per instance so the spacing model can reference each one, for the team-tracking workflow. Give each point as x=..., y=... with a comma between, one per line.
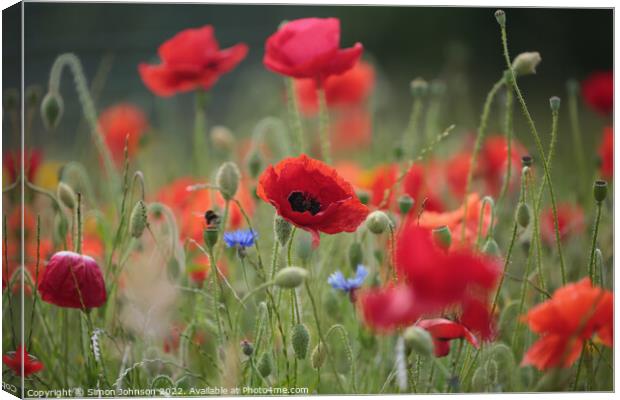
x=338, y=281
x=240, y=239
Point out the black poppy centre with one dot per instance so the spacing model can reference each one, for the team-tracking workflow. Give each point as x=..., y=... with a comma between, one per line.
x=302, y=202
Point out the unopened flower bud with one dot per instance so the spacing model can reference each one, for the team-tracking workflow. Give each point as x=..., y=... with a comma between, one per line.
x=52, y=108
x=319, y=354
x=247, y=348
x=283, y=230
x=600, y=191
x=419, y=87
x=443, y=237
x=527, y=161
x=377, y=222
x=66, y=195
x=572, y=86
x=491, y=248
x=210, y=236
x=500, y=16
x=222, y=138
x=522, y=215
x=418, y=340
x=227, y=179
x=438, y=87
x=526, y=63
x=300, y=340
x=405, y=203
x=265, y=365
x=290, y=277
x=254, y=164
x=554, y=103
x=355, y=255
x=137, y=219
x=398, y=152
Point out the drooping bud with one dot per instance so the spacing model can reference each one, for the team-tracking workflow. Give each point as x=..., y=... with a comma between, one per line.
x=500, y=16
x=319, y=354
x=283, y=230
x=265, y=365
x=137, y=219
x=491, y=248
x=443, y=237
x=418, y=340
x=247, y=348
x=522, y=215
x=66, y=195
x=554, y=103
x=222, y=138
x=300, y=340
x=377, y=222
x=600, y=191
x=52, y=108
x=419, y=87
x=255, y=164
x=526, y=63
x=405, y=203
x=290, y=277
x=355, y=255
x=227, y=179
x=363, y=196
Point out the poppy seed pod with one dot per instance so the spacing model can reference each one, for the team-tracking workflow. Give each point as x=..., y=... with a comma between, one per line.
x=443, y=237
x=355, y=255
x=227, y=179
x=418, y=340
x=283, y=230
x=377, y=222
x=265, y=365
x=554, y=103
x=137, y=219
x=66, y=195
x=210, y=236
x=526, y=63
x=319, y=354
x=300, y=340
x=419, y=87
x=290, y=277
x=222, y=138
x=500, y=16
x=52, y=108
x=405, y=203
x=522, y=215
x=600, y=191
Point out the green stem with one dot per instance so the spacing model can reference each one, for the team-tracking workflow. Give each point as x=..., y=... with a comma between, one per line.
x=409, y=138
x=200, y=147
x=326, y=151
x=594, y=238
x=506, y=264
x=294, y=115
x=509, y=128
x=576, y=131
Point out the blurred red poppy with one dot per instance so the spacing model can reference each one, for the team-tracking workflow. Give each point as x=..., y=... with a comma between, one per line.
x=493, y=162
x=420, y=185
x=457, y=170
x=606, y=153
x=312, y=196
x=309, y=48
x=378, y=181
x=570, y=222
x=191, y=59
x=574, y=313
x=19, y=358
x=120, y=122
x=443, y=330
x=598, y=91
x=349, y=89
x=12, y=163
x=72, y=280
x=351, y=130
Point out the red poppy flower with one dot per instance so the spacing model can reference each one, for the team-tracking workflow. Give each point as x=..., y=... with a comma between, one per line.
x=12, y=163
x=312, y=196
x=421, y=185
x=20, y=357
x=606, y=153
x=379, y=180
x=191, y=59
x=119, y=121
x=598, y=91
x=493, y=161
x=349, y=89
x=351, y=130
x=72, y=280
x=388, y=308
x=457, y=170
x=443, y=330
x=570, y=222
x=310, y=48
x=200, y=267
x=574, y=313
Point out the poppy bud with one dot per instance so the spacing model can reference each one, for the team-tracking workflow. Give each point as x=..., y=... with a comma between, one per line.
x=227, y=179
x=290, y=277
x=254, y=164
x=210, y=236
x=11, y=99
x=405, y=202
x=222, y=138
x=377, y=222
x=247, y=348
x=600, y=191
x=51, y=110
x=283, y=230
x=398, y=153
x=443, y=237
x=137, y=219
x=419, y=87
x=500, y=16
x=355, y=255
x=33, y=95
x=554, y=103
x=526, y=63
x=319, y=354
x=527, y=161
x=66, y=195
x=300, y=341
x=523, y=215
x=363, y=195
x=491, y=248
x=265, y=365
x=418, y=340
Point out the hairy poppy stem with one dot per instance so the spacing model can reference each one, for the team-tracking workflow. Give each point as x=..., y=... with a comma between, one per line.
x=409, y=137
x=9, y=289
x=326, y=147
x=78, y=221
x=541, y=150
x=36, y=282
x=200, y=147
x=573, y=111
x=294, y=115
x=509, y=129
x=599, y=206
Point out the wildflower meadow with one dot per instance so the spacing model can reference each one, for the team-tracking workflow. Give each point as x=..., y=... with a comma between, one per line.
x=321, y=248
